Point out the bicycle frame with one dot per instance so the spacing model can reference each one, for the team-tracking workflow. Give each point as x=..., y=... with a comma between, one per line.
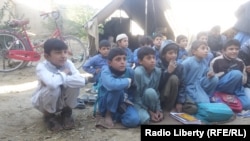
x=30, y=54
x=17, y=49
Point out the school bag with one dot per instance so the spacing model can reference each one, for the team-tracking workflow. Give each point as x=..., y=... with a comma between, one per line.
x=210, y=113
x=231, y=100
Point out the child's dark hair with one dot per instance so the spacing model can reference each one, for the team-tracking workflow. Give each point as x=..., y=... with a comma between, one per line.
x=230, y=43
x=157, y=35
x=142, y=52
x=104, y=43
x=196, y=44
x=180, y=37
x=54, y=44
x=115, y=52
x=167, y=46
x=215, y=28
x=202, y=33
x=145, y=40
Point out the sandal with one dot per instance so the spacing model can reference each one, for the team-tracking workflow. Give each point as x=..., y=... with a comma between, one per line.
x=80, y=104
x=89, y=99
x=92, y=99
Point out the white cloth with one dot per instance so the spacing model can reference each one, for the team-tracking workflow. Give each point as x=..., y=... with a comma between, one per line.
x=56, y=90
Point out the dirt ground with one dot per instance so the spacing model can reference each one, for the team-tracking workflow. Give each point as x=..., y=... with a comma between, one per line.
x=19, y=121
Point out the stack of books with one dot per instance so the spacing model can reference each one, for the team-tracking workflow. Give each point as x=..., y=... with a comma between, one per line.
x=185, y=118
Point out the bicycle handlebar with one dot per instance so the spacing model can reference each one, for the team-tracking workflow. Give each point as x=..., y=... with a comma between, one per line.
x=54, y=14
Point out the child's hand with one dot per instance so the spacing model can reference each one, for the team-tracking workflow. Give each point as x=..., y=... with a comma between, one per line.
x=178, y=107
x=172, y=65
x=210, y=74
x=67, y=71
x=153, y=116
x=159, y=116
x=97, y=70
x=156, y=117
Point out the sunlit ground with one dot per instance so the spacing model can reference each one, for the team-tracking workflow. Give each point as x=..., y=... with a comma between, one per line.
x=18, y=87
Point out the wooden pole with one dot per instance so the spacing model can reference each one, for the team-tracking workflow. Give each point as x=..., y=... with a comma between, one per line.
x=146, y=18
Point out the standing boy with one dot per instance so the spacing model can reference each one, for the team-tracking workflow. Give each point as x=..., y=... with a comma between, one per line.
x=215, y=40
x=59, y=86
x=143, y=41
x=182, y=41
x=116, y=92
x=157, y=40
x=203, y=36
x=122, y=42
x=94, y=64
x=147, y=78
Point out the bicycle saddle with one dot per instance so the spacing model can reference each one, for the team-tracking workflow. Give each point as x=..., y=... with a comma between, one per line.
x=18, y=23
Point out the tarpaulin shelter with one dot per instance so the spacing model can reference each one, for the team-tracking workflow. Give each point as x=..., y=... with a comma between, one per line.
x=148, y=14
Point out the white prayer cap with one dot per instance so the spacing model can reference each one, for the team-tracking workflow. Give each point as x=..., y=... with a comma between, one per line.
x=121, y=36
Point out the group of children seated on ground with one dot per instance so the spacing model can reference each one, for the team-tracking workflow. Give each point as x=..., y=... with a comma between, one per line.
x=135, y=88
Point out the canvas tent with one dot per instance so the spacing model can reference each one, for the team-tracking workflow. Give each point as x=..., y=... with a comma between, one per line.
x=148, y=14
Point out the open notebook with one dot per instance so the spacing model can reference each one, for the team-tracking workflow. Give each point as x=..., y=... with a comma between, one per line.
x=185, y=118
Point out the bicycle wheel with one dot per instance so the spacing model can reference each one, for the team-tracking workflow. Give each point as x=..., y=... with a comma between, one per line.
x=78, y=52
x=10, y=41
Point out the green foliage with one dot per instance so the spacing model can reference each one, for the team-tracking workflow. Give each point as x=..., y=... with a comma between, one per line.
x=101, y=28
x=7, y=13
x=75, y=18
x=49, y=24
x=5, y=9
x=72, y=20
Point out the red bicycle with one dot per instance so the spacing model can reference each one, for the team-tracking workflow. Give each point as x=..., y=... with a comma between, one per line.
x=17, y=50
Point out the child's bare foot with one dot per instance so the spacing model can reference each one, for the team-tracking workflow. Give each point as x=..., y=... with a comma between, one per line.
x=108, y=119
x=109, y=122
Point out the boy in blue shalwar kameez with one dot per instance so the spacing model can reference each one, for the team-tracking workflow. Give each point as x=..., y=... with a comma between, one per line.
x=94, y=64
x=157, y=40
x=123, y=42
x=116, y=91
x=147, y=78
x=199, y=82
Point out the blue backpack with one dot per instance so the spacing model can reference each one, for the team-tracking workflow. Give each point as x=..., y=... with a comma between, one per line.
x=214, y=112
